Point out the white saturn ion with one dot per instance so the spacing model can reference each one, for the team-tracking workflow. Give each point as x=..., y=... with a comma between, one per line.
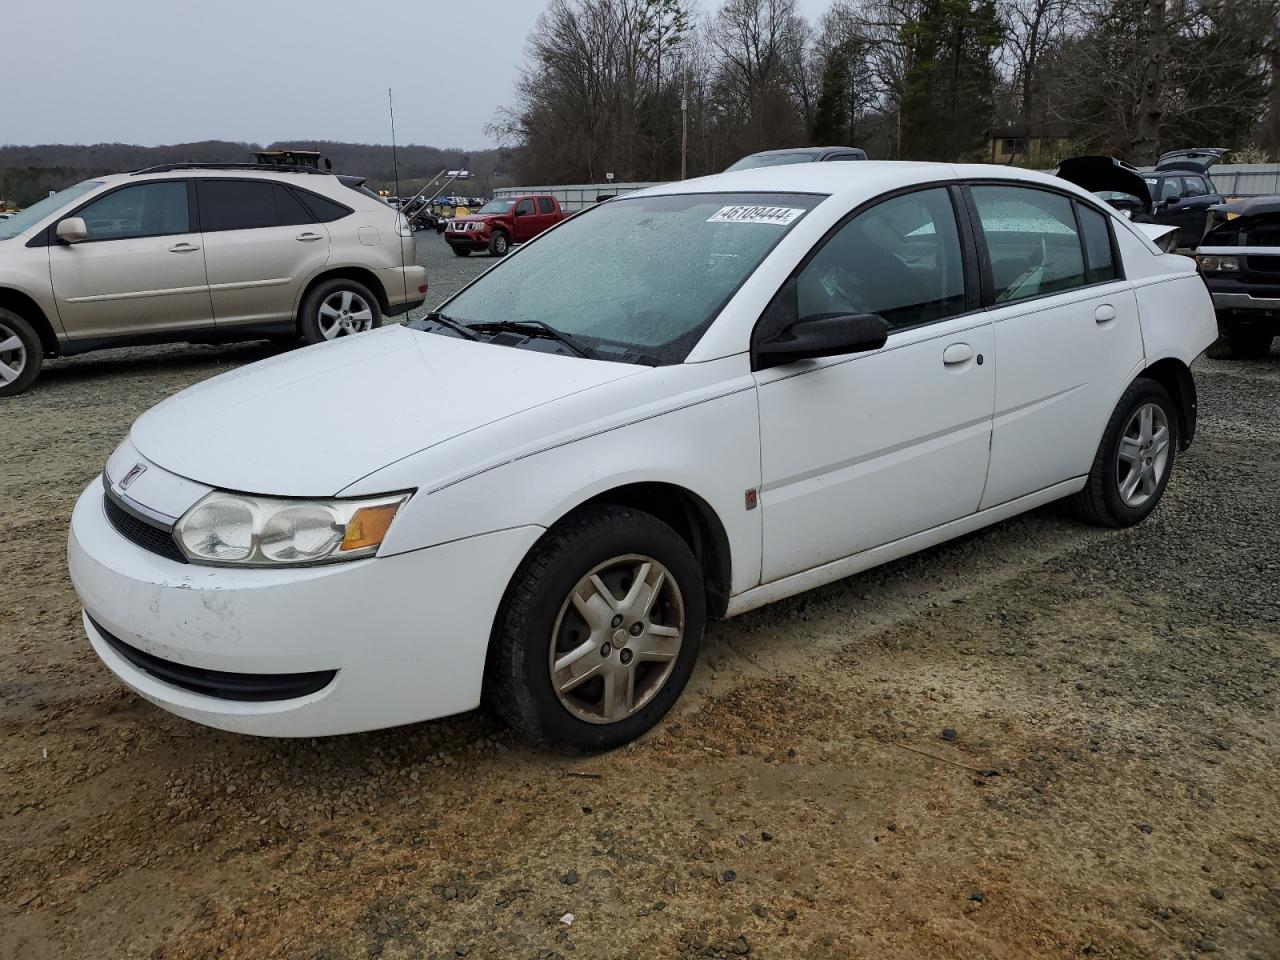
x=679, y=404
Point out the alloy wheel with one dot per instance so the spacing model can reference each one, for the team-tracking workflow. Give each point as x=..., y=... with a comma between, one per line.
x=616, y=639
x=343, y=313
x=13, y=355
x=1142, y=457
x=500, y=244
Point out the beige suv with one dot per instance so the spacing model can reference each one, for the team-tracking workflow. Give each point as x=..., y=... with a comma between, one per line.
x=199, y=253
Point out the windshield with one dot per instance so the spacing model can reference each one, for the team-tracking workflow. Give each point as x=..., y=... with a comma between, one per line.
x=28, y=218
x=496, y=206
x=1229, y=229
x=772, y=160
x=642, y=275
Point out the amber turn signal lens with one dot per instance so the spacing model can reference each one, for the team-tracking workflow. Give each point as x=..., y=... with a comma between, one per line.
x=368, y=527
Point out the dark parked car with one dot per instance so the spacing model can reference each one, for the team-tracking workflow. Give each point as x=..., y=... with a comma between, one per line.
x=1178, y=193
x=1181, y=191
x=1239, y=259
x=776, y=158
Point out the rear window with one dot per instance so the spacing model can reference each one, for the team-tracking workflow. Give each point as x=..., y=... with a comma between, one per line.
x=546, y=205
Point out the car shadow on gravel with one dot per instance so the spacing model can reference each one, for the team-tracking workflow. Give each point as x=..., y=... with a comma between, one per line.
x=152, y=361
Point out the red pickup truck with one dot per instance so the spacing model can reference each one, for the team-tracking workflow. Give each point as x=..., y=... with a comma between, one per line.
x=502, y=222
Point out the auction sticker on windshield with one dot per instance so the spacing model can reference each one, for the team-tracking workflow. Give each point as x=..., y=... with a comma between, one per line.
x=780, y=216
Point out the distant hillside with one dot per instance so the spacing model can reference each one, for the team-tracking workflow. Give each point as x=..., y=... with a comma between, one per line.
x=28, y=173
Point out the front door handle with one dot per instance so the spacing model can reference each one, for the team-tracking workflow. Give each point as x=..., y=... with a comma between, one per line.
x=308, y=237
x=1105, y=313
x=184, y=247
x=956, y=354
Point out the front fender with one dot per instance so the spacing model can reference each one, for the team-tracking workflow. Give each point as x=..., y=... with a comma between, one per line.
x=535, y=468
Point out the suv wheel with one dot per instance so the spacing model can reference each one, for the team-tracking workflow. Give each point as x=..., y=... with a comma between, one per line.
x=21, y=354
x=1134, y=460
x=338, y=308
x=1249, y=343
x=599, y=631
x=500, y=244
x=460, y=251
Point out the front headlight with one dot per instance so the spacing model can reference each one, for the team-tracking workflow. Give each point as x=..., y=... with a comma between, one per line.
x=1228, y=263
x=237, y=529
x=1207, y=264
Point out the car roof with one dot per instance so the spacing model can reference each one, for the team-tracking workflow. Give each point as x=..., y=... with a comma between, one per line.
x=851, y=182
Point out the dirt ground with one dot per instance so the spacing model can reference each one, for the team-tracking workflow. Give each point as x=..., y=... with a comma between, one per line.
x=1106, y=785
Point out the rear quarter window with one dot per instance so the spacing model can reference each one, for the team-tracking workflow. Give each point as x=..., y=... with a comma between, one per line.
x=322, y=208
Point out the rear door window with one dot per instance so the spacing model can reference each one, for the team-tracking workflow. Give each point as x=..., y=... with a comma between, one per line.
x=236, y=204
x=1032, y=241
x=1100, y=263
x=546, y=205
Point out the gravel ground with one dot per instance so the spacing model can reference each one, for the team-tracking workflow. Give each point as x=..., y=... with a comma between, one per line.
x=1043, y=740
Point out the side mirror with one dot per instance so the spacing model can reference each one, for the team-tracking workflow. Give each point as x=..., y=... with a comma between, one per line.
x=826, y=336
x=72, y=230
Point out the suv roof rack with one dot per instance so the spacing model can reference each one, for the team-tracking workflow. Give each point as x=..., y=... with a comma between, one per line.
x=269, y=167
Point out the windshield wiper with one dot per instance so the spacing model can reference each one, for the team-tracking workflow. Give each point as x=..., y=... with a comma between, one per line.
x=459, y=328
x=525, y=326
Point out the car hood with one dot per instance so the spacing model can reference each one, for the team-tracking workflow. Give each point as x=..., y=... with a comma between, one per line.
x=473, y=218
x=311, y=422
x=1098, y=173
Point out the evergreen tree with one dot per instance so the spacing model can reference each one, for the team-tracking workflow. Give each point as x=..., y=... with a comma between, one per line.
x=948, y=96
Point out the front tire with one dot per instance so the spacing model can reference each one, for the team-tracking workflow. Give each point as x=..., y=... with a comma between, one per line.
x=1249, y=343
x=1134, y=460
x=599, y=631
x=21, y=354
x=338, y=308
x=499, y=244
x=460, y=251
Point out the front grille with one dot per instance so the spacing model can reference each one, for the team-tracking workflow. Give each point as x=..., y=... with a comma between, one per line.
x=1256, y=264
x=223, y=684
x=145, y=533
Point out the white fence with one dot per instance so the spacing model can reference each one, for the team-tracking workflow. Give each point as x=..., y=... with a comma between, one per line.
x=575, y=196
x=1245, y=179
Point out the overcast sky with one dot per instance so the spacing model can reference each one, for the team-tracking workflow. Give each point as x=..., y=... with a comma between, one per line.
x=173, y=71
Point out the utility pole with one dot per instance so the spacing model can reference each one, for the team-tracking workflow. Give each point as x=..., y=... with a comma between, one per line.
x=684, y=126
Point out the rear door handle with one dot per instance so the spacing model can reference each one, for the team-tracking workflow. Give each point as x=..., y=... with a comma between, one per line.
x=1105, y=313
x=956, y=354
x=184, y=247
x=308, y=237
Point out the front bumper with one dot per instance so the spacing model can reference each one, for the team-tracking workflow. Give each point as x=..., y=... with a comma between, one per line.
x=471, y=240
x=1246, y=301
x=405, y=636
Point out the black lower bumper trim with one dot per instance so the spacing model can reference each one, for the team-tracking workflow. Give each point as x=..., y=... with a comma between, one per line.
x=255, y=687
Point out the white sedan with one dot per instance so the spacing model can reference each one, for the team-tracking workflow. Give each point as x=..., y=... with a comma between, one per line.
x=680, y=404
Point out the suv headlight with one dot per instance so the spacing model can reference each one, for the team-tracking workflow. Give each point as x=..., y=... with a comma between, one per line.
x=234, y=529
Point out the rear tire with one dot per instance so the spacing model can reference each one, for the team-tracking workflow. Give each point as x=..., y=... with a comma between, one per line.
x=627, y=653
x=338, y=308
x=499, y=244
x=21, y=354
x=1134, y=460
x=1249, y=343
